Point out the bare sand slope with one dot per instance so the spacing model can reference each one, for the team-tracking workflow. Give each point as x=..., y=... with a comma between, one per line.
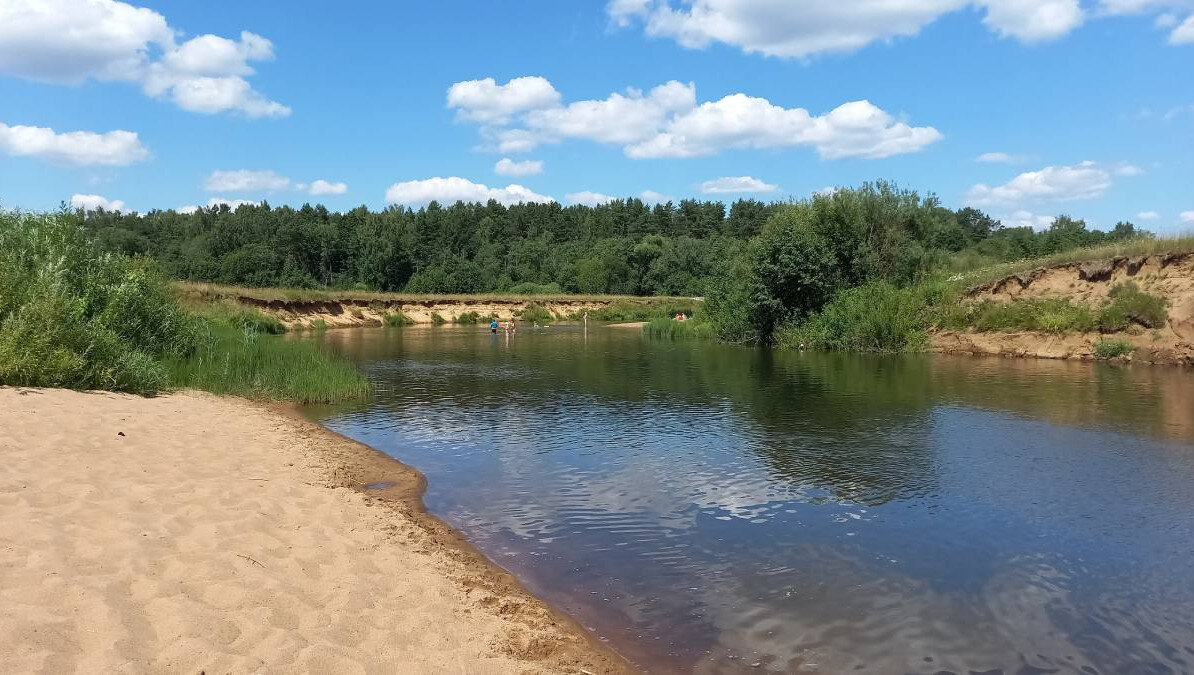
x=191, y=533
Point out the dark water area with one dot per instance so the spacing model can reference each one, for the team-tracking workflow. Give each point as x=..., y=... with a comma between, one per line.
x=708, y=508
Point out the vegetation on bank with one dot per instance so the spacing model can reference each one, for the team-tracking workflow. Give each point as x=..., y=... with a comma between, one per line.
x=669, y=329
x=72, y=315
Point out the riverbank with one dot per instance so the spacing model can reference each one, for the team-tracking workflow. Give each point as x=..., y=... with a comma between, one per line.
x=299, y=309
x=197, y=533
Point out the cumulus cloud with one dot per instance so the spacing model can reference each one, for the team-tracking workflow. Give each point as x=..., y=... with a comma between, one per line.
x=508, y=167
x=323, y=187
x=453, y=189
x=736, y=184
x=997, y=158
x=74, y=148
x=73, y=41
x=1125, y=169
x=1049, y=185
x=1024, y=218
x=803, y=29
x=1183, y=34
x=244, y=180
x=588, y=198
x=95, y=202
x=1187, y=216
x=855, y=129
x=1147, y=215
x=653, y=197
x=667, y=122
x=487, y=101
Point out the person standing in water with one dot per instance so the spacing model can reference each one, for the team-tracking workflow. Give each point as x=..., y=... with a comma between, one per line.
x=493, y=325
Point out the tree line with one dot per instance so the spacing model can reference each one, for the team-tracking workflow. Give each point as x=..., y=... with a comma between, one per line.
x=621, y=247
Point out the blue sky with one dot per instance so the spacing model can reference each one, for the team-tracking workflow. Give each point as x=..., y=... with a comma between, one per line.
x=1090, y=104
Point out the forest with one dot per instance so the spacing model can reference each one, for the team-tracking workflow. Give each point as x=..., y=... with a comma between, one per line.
x=692, y=248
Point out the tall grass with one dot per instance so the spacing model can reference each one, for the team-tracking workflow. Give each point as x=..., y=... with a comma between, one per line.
x=670, y=329
x=535, y=313
x=261, y=366
x=1125, y=306
x=71, y=316
x=977, y=270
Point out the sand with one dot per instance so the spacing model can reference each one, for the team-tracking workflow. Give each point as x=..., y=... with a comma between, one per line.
x=191, y=533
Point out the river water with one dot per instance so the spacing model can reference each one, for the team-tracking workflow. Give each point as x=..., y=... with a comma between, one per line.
x=710, y=508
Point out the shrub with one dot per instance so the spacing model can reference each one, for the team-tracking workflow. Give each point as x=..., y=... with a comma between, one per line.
x=71, y=316
x=637, y=311
x=468, y=317
x=876, y=317
x=437, y=320
x=1053, y=315
x=528, y=288
x=396, y=319
x=535, y=313
x=1127, y=305
x=1110, y=349
x=242, y=317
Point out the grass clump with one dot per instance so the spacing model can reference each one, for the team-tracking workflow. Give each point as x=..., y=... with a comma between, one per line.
x=875, y=317
x=468, y=317
x=536, y=313
x=1110, y=349
x=437, y=319
x=670, y=329
x=396, y=319
x=1052, y=315
x=71, y=316
x=256, y=365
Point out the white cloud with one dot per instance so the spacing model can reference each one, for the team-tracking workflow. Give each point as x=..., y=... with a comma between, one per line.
x=508, y=167
x=735, y=184
x=73, y=41
x=588, y=198
x=1147, y=215
x=75, y=148
x=855, y=129
x=1126, y=169
x=489, y=102
x=1183, y=34
x=653, y=197
x=618, y=119
x=1027, y=219
x=1187, y=216
x=244, y=180
x=803, y=29
x=453, y=189
x=1049, y=185
x=1033, y=20
x=826, y=191
x=998, y=158
x=667, y=122
x=323, y=187
x=94, y=202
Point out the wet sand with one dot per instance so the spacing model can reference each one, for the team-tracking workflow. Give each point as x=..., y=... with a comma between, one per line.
x=190, y=533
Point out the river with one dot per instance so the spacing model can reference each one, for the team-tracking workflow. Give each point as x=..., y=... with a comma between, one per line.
x=711, y=508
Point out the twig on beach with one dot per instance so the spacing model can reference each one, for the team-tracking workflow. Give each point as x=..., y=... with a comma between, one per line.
x=264, y=479
x=250, y=560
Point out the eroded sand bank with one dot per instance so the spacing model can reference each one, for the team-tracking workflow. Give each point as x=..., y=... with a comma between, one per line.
x=190, y=533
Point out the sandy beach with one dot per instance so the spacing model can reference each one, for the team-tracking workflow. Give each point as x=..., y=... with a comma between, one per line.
x=190, y=533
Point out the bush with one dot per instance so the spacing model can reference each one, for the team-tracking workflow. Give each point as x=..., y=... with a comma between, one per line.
x=1127, y=305
x=242, y=317
x=1053, y=315
x=468, y=317
x=535, y=313
x=1110, y=349
x=637, y=311
x=396, y=319
x=437, y=320
x=876, y=317
x=528, y=288
x=71, y=316
x=670, y=329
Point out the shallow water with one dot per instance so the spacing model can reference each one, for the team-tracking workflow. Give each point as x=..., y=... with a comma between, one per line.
x=711, y=508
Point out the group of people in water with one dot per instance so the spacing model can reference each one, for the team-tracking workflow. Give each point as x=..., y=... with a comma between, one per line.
x=509, y=325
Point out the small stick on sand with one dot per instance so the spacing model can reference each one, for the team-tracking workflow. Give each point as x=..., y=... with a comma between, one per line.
x=250, y=560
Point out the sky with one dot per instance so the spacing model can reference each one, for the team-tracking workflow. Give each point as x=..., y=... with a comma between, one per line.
x=1023, y=108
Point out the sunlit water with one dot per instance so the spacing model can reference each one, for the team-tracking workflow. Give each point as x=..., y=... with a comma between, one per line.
x=720, y=509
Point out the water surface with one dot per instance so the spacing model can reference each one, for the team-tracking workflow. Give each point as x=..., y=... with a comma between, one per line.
x=711, y=508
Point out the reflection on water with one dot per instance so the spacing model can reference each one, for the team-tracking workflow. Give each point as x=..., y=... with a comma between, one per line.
x=719, y=509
